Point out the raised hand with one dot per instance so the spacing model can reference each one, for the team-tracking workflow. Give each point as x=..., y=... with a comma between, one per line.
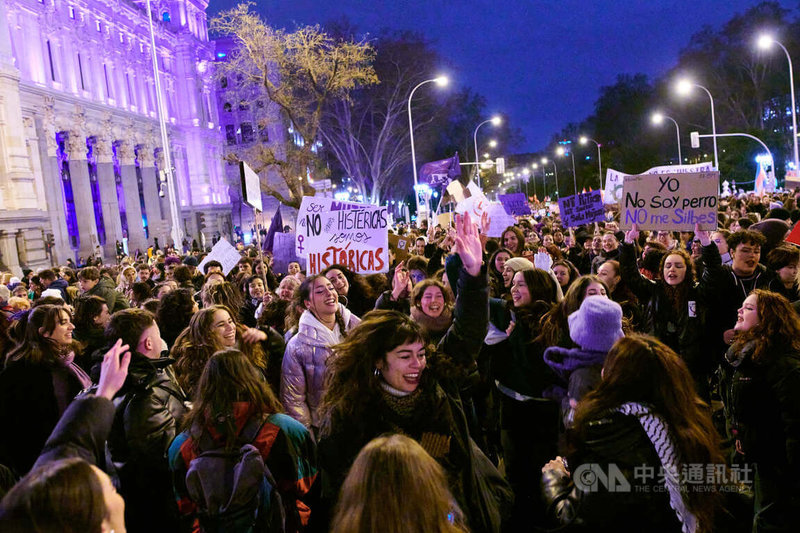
x=468, y=244
x=486, y=221
x=703, y=236
x=632, y=234
x=542, y=260
x=401, y=282
x=114, y=370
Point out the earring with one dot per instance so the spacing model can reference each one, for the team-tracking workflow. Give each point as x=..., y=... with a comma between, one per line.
x=377, y=372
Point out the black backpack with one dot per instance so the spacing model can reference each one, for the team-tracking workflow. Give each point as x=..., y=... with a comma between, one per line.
x=234, y=490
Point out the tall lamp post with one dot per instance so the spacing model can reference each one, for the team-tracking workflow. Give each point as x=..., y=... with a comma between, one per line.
x=658, y=118
x=583, y=140
x=496, y=121
x=441, y=81
x=177, y=232
x=563, y=152
x=555, y=169
x=533, y=176
x=684, y=87
x=765, y=42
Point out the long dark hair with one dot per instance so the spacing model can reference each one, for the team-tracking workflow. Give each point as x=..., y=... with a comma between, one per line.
x=641, y=369
x=174, y=313
x=777, y=331
x=228, y=378
x=62, y=496
x=544, y=294
x=303, y=293
x=33, y=347
x=359, y=294
x=352, y=387
x=554, y=323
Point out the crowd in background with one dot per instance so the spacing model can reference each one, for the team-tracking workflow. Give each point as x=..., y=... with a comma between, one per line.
x=470, y=388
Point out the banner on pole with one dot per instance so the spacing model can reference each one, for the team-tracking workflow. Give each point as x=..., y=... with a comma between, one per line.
x=515, y=204
x=670, y=202
x=351, y=234
x=581, y=209
x=615, y=178
x=440, y=172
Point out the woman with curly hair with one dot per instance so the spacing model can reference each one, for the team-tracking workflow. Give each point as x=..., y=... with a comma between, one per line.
x=213, y=329
x=643, y=416
x=354, y=292
x=385, y=379
x=175, y=310
x=761, y=393
x=674, y=306
x=224, y=293
x=323, y=324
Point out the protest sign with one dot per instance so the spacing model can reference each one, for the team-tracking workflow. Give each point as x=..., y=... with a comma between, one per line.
x=581, y=209
x=284, y=253
x=499, y=220
x=401, y=246
x=615, y=178
x=445, y=220
x=347, y=233
x=515, y=204
x=225, y=253
x=671, y=202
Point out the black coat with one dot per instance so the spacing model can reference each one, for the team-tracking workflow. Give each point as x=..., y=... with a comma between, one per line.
x=29, y=410
x=617, y=440
x=150, y=408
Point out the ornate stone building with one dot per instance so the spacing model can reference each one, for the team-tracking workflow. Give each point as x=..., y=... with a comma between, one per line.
x=80, y=149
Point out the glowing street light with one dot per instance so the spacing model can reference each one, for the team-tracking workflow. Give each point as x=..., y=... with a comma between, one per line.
x=683, y=88
x=441, y=81
x=495, y=121
x=658, y=118
x=563, y=152
x=583, y=140
x=765, y=42
x=492, y=144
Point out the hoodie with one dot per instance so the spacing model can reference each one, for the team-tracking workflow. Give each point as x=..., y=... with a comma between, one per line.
x=304, y=364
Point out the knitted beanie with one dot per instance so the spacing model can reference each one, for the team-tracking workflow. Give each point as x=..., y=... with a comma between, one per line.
x=518, y=264
x=597, y=325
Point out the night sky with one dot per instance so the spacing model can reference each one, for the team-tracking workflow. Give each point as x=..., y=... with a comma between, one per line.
x=540, y=63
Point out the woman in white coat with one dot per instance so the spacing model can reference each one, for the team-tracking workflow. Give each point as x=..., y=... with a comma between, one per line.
x=324, y=323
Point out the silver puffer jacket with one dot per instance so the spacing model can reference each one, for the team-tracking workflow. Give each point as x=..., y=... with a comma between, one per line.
x=303, y=370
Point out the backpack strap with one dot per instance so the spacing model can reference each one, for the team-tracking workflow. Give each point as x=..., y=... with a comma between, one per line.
x=251, y=429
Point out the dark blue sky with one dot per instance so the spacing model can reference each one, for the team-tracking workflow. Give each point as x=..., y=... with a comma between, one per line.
x=540, y=63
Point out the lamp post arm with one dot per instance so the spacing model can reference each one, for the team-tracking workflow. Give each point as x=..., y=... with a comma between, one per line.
x=794, y=106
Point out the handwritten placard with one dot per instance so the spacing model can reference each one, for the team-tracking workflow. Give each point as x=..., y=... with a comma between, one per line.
x=515, y=204
x=615, y=178
x=347, y=233
x=225, y=253
x=581, y=209
x=670, y=202
x=499, y=220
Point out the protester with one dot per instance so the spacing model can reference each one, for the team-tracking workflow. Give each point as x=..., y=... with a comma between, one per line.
x=353, y=291
x=234, y=406
x=91, y=319
x=644, y=414
x=369, y=503
x=175, y=310
x=761, y=388
x=324, y=323
x=92, y=284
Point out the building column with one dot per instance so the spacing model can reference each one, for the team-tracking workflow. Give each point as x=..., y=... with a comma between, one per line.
x=82, y=193
x=133, y=209
x=108, y=195
x=152, y=204
x=51, y=178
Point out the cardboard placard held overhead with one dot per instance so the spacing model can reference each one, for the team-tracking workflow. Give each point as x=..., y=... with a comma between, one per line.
x=401, y=246
x=614, y=178
x=445, y=220
x=331, y=232
x=581, y=209
x=225, y=253
x=499, y=220
x=670, y=202
x=251, y=186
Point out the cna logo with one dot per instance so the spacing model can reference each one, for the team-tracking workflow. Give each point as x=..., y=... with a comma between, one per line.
x=590, y=477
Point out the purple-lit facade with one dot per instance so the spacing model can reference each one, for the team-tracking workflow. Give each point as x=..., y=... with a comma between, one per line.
x=80, y=149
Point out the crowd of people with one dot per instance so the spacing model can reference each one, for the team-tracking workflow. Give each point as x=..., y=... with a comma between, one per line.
x=552, y=378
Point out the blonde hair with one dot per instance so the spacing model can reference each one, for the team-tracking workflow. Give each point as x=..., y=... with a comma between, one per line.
x=18, y=303
x=394, y=486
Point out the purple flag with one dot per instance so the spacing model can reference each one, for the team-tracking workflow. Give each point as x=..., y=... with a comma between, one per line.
x=440, y=172
x=275, y=226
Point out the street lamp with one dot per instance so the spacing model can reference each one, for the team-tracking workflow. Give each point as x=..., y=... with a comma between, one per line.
x=441, y=81
x=174, y=211
x=583, y=140
x=555, y=169
x=563, y=152
x=765, y=42
x=492, y=144
x=658, y=118
x=534, y=166
x=496, y=121
x=683, y=88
